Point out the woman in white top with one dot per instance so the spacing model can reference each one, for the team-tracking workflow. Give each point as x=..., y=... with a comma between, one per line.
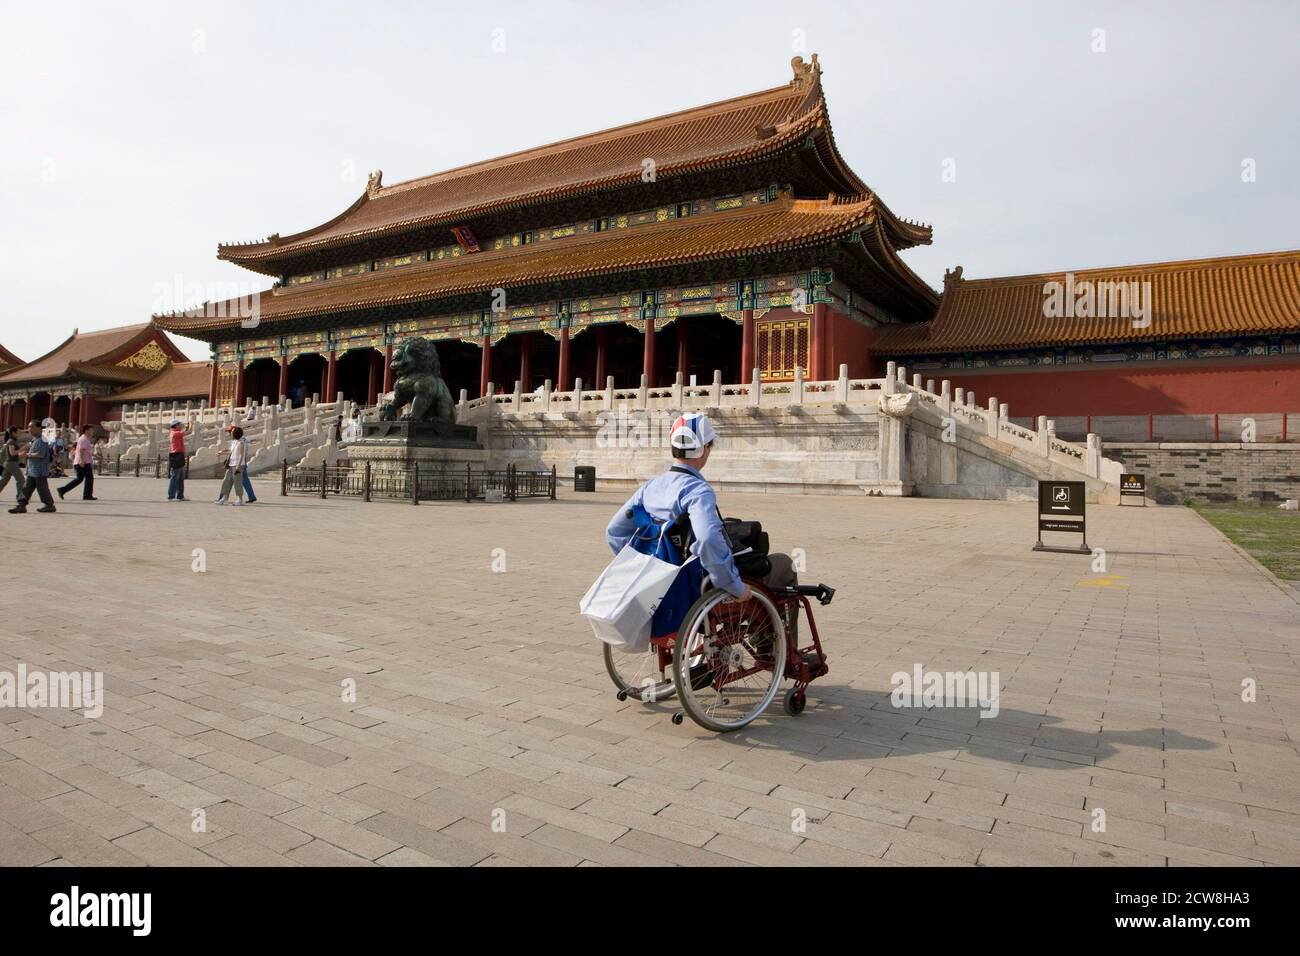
x=234, y=469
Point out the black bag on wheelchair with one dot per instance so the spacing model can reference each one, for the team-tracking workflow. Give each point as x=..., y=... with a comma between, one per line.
x=749, y=545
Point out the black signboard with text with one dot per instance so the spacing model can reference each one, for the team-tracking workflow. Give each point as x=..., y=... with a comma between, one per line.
x=1133, y=486
x=1061, y=509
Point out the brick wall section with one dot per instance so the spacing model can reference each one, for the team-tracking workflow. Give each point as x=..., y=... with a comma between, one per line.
x=1214, y=472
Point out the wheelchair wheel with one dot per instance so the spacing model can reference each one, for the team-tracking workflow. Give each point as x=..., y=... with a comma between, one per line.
x=638, y=675
x=729, y=659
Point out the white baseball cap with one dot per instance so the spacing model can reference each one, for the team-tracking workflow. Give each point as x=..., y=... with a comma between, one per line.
x=692, y=433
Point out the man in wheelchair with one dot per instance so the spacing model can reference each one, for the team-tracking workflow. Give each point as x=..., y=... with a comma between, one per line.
x=675, y=514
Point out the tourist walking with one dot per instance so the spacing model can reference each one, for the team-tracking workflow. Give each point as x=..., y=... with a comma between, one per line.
x=248, y=485
x=38, y=455
x=234, y=469
x=83, y=462
x=10, y=461
x=176, y=462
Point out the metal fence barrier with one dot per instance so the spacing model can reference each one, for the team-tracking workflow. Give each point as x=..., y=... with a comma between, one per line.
x=137, y=467
x=415, y=484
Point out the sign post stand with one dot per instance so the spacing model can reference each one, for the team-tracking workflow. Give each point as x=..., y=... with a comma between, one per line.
x=1133, y=486
x=1059, y=503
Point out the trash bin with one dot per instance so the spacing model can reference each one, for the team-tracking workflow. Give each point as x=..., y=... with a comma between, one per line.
x=584, y=478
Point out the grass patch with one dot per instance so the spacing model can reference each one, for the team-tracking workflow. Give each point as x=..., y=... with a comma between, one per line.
x=1271, y=535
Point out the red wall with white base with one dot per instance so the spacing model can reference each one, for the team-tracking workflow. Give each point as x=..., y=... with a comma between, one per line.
x=1190, y=388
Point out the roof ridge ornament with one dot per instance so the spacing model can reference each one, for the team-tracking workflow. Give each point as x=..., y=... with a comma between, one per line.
x=951, y=277
x=374, y=183
x=805, y=73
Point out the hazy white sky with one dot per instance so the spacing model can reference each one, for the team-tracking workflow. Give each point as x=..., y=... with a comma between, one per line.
x=136, y=136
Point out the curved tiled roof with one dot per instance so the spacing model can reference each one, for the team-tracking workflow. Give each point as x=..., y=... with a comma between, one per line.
x=717, y=135
x=1250, y=294
x=80, y=350
x=785, y=223
x=176, y=381
x=8, y=358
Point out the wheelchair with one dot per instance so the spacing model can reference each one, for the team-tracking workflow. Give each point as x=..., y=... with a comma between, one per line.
x=727, y=660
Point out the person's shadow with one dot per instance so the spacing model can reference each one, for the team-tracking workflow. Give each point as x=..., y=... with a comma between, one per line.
x=849, y=723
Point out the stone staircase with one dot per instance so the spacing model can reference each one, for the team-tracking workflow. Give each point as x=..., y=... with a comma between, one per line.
x=303, y=435
x=884, y=436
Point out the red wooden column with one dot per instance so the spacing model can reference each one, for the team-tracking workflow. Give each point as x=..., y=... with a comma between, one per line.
x=648, y=356
x=747, y=345
x=526, y=362
x=74, y=415
x=284, y=377
x=683, y=352
x=4, y=414
x=562, y=373
x=372, y=383
x=239, y=385
x=820, y=350
x=485, y=366
x=602, y=352
x=331, y=377
x=212, y=386
x=388, y=368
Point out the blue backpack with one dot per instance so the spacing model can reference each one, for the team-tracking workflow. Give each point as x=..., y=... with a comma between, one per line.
x=652, y=537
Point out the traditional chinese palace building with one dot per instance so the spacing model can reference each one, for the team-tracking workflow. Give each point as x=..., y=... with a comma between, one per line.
x=8, y=361
x=731, y=236
x=674, y=244
x=72, y=383
x=1222, y=335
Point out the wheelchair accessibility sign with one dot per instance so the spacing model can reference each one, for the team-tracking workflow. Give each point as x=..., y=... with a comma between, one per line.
x=1061, y=510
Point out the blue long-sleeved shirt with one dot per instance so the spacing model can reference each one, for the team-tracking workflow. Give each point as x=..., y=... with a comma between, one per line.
x=668, y=496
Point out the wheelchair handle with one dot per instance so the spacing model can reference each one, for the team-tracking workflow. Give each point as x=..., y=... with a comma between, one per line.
x=822, y=592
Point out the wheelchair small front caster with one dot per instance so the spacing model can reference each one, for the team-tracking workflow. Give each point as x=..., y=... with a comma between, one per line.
x=795, y=701
x=678, y=717
x=621, y=695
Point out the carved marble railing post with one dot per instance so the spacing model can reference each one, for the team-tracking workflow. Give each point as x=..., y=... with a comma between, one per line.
x=929, y=385
x=716, y=396
x=916, y=379
x=959, y=397
x=755, y=388
x=642, y=393
x=1092, y=460
x=902, y=375
x=609, y=391
x=945, y=397
x=1042, y=440
x=518, y=396
x=577, y=394
x=842, y=385
x=679, y=388
x=1004, y=412
x=797, y=397
x=546, y=395
x=993, y=418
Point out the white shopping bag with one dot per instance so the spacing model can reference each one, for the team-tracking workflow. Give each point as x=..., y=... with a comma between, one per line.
x=625, y=597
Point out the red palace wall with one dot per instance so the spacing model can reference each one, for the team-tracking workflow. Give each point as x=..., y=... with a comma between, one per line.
x=849, y=344
x=1260, y=386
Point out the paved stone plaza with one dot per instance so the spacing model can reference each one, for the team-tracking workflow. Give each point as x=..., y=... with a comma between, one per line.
x=480, y=692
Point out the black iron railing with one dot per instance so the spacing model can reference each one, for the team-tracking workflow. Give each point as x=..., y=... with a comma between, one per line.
x=415, y=484
x=135, y=466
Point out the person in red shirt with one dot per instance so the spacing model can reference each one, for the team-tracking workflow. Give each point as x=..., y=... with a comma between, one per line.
x=83, y=461
x=176, y=462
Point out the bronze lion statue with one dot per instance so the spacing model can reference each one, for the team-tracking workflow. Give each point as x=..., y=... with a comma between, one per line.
x=418, y=384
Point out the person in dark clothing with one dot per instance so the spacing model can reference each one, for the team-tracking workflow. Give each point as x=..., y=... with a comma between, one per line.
x=11, y=461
